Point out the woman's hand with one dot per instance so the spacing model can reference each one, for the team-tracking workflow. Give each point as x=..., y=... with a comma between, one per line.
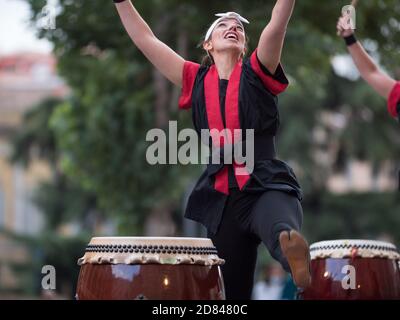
x=343, y=27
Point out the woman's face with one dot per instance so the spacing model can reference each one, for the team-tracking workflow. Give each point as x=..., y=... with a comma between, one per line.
x=227, y=35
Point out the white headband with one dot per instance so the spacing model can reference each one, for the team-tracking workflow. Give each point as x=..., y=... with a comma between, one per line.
x=223, y=16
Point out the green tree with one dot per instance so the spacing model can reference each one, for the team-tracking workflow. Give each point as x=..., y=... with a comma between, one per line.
x=59, y=199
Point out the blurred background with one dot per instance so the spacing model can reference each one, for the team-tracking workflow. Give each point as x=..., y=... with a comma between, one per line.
x=77, y=99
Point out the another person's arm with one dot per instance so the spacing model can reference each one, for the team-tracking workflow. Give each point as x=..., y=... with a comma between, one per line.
x=370, y=72
x=271, y=41
x=167, y=61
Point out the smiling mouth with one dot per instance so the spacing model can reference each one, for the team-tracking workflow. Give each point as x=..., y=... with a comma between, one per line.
x=232, y=36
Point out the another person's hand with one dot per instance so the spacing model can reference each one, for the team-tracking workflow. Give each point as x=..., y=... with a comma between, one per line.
x=343, y=27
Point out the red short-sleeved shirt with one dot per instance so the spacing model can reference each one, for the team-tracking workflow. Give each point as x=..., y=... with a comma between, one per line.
x=394, y=101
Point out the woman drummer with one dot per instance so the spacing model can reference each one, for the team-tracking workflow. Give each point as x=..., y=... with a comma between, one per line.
x=239, y=208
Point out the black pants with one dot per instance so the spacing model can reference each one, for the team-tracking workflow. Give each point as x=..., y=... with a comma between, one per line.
x=248, y=220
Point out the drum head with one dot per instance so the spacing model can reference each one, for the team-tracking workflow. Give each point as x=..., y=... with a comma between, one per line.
x=150, y=250
x=353, y=248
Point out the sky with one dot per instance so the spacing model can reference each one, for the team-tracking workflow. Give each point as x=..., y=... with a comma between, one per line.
x=15, y=33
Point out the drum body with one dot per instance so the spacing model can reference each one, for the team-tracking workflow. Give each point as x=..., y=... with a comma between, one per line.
x=353, y=270
x=150, y=268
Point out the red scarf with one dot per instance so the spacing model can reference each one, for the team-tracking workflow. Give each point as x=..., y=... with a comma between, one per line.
x=211, y=91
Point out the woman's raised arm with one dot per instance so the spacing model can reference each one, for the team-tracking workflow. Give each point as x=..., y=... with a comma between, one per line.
x=271, y=41
x=370, y=72
x=167, y=61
